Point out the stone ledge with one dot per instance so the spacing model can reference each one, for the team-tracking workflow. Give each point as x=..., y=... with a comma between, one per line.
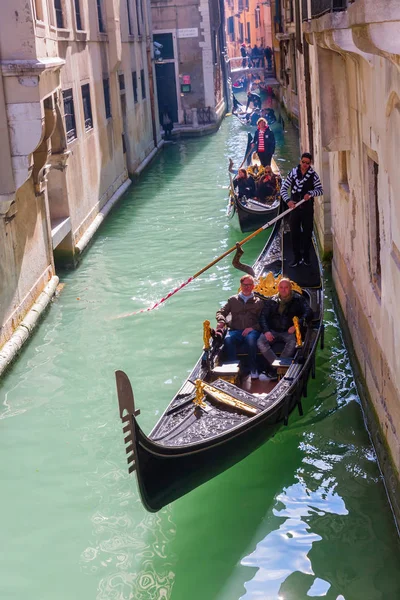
x=27, y=325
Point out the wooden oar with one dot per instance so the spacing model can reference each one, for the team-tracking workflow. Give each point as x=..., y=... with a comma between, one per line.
x=246, y=157
x=212, y=263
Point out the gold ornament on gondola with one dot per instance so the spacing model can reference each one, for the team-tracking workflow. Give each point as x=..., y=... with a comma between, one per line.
x=198, y=400
x=206, y=335
x=222, y=397
x=268, y=285
x=296, y=323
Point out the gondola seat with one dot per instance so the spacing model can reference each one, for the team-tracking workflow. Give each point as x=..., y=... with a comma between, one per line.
x=229, y=371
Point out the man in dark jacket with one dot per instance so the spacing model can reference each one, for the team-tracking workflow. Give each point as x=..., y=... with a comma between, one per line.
x=276, y=322
x=303, y=182
x=241, y=314
x=264, y=142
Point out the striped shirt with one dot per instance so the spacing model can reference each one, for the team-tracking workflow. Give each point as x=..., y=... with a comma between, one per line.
x=300, y=184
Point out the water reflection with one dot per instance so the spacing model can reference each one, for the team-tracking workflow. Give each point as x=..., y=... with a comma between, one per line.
x=285, y=550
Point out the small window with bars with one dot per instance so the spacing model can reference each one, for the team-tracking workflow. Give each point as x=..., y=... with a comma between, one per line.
x=69, y=115
x=143, y=82
x=107, y=101
x=134, y=85
x=87, y=106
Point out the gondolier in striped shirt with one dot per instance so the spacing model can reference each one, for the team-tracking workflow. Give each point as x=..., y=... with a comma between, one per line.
x=264, y=142
x=304, y=183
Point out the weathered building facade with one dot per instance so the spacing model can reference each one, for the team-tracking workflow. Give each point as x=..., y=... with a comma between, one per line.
x=191, y=82
x=348, y=68
x=78, y=112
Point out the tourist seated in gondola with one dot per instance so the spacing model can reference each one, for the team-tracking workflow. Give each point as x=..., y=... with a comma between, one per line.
x=245, y=184
x=268, y=186
x=276, y=322
x=241, y=314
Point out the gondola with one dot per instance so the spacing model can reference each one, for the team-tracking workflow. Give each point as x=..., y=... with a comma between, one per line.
x=220, y=415
x=248, y=117
x=248, y=214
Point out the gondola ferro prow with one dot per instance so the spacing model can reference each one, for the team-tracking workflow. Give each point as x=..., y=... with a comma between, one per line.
x=127, y=412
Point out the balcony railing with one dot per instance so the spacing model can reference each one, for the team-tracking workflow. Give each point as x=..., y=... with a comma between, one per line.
x=321, y=7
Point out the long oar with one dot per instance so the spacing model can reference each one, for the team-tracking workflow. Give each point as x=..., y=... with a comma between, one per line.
x=246, y=157
x=211, y=264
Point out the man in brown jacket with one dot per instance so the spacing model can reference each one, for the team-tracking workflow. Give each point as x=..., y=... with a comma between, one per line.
x=241, y=314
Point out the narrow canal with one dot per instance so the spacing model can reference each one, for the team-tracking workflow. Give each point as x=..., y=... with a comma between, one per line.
x=304, y=516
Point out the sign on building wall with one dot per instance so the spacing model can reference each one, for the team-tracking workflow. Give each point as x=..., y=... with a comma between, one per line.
x=188, y=33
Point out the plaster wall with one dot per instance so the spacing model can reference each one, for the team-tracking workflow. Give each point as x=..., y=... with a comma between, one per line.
x=25, y=259
x=366, y=233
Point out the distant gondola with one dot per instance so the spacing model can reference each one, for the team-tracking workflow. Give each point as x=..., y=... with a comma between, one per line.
x=248, y=214
x=249, y=117
x=220, y=415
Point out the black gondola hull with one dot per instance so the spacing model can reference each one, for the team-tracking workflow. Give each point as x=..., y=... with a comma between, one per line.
x=166, y=474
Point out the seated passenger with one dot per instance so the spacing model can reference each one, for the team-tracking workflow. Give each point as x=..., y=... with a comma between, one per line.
x=244, y=184
x=268, y=186
x=244, y=310
x=276, y=323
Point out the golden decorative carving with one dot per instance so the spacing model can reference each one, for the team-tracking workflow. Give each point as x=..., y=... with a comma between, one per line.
x=296, y=323
x=222, y=397
x=206, y=335
x=198, y=400
x=268, y=285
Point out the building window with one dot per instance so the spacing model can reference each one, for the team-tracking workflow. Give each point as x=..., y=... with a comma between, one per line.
x=69, y=115
x=59, y=14
x=374, y=224
x=143, y=82
x=107, y=102
x=87, y=106
x=248, y=34
x=38, y=10
x=257, y=17
x=102, y=29
x=231, y=28
x=241, y=32
x=134, y=85
x=128, y=7
x=78, y=17
x=139, y=15
x=121, y=81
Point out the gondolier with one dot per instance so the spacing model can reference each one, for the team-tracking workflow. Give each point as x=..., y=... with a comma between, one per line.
x=304, y=183
x=264, y=142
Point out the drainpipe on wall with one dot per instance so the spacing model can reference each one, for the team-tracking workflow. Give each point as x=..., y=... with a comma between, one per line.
x=151, y=88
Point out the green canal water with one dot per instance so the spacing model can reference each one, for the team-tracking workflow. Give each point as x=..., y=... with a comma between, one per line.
x=306, y=516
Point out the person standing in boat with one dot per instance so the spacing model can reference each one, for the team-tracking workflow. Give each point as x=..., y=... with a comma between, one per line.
x=305, y=183
x=276, y=323
x=242, y=312
x=264, y=142
x=244, y=184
